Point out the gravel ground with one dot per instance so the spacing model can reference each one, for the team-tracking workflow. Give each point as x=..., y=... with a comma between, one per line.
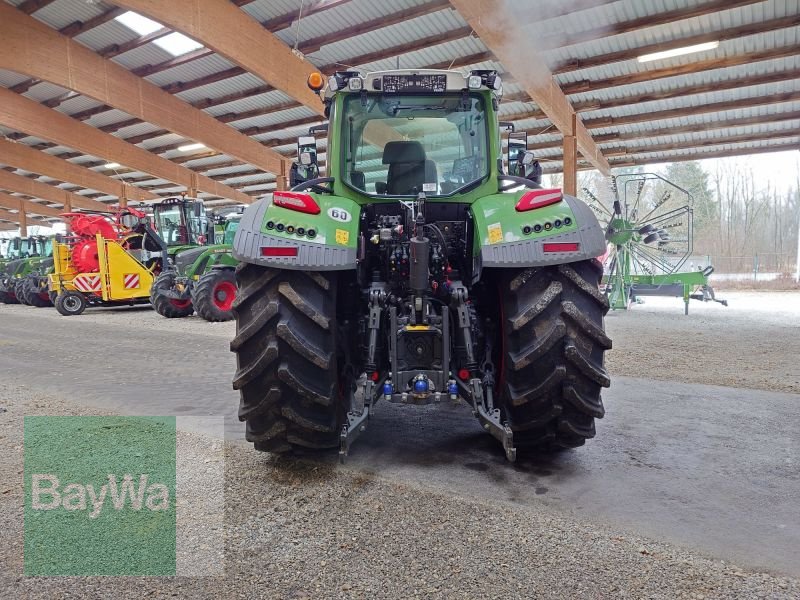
x=754, y=342
x=301, y=529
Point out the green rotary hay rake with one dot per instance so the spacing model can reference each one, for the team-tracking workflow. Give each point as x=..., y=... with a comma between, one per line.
x=648, y=224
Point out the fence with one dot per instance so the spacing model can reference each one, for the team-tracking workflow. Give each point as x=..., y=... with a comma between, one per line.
x=754, y=267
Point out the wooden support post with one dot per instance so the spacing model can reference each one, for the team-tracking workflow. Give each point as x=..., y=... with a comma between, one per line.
x=282, y=181
x=571, y=161
x=192, y=191
x=23, y=220
x=123, y=197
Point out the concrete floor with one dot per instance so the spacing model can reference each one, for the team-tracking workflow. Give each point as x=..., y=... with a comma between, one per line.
x=713, y=469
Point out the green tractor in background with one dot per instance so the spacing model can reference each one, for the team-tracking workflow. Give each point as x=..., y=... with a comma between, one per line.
x=32, y=288
x=418, y=270
x=200, y=276
x=24, y=256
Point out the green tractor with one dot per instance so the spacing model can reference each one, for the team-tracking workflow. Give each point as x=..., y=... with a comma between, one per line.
x=419, y=270
x=200, y=276
x=24, y=256
x=32, y=289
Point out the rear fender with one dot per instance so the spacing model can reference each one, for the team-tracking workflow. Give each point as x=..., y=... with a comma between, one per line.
x=505, y=237
x=332, y=247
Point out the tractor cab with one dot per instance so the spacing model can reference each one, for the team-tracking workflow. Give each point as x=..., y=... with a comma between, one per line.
x=18, y=248
x=40, y=246
x=182, y=221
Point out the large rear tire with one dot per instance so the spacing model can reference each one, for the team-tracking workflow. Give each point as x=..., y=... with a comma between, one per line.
x=213, y=295
x=287, y=358
x=33, y=293
x=19, y=291
x=553, y=342
x=165, y=306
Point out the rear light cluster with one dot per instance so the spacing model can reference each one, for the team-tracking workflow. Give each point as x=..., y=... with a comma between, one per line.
x=538, y=199
x=279, y=251
x=547, y=225
x=296, y=201
x=291, y=229
x=561, y=247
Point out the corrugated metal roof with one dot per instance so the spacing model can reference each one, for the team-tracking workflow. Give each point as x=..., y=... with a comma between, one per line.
x=191, y=70
x=558, y=33
x=77, y=104
x=109, y=33
x=260, y=101
x=61, y=13
x=262, y=10
x=240, y=83
x=347, y=51
x=10, y=78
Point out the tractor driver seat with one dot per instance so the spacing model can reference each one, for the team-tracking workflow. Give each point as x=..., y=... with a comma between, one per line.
x=406, y=162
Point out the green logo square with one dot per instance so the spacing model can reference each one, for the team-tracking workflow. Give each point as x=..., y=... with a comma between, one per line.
x=100, y=496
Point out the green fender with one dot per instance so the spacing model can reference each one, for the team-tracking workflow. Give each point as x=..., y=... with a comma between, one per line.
x=566, y=231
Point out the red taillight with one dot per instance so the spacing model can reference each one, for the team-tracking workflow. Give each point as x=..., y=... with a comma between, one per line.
x=463, y=374
x=279, y=251
x=296, y=201
x=374, y=376
x=561, y=247
x=538, y=199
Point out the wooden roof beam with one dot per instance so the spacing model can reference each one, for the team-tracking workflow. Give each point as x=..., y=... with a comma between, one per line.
x=530, y=70
x=17, y=203
x=29, y=159
x=176, y=87
x=45, y=191
x=30, y=116
x=229, y=31
x=33, y=48
x=73, y=29
x=13, y=217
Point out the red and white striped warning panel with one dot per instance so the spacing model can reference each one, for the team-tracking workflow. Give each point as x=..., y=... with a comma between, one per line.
x=87, y=283
x=131, y=281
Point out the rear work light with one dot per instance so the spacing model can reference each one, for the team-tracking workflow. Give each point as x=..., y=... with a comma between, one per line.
x=561, y=247
x=296, y=201
x=285, y=251
x=538, y=199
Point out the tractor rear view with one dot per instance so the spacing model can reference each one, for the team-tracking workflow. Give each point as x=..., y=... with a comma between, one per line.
x=32, y=289
x=418, y=270
x=24, y=255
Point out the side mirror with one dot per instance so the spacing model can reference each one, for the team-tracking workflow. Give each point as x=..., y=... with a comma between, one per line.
x=517, y=148
x=307, y=150
x=198, y=209
x=306, y=166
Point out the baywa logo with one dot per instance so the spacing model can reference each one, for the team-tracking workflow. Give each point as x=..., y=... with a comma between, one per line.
x=100, y=496
x=47, y=494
